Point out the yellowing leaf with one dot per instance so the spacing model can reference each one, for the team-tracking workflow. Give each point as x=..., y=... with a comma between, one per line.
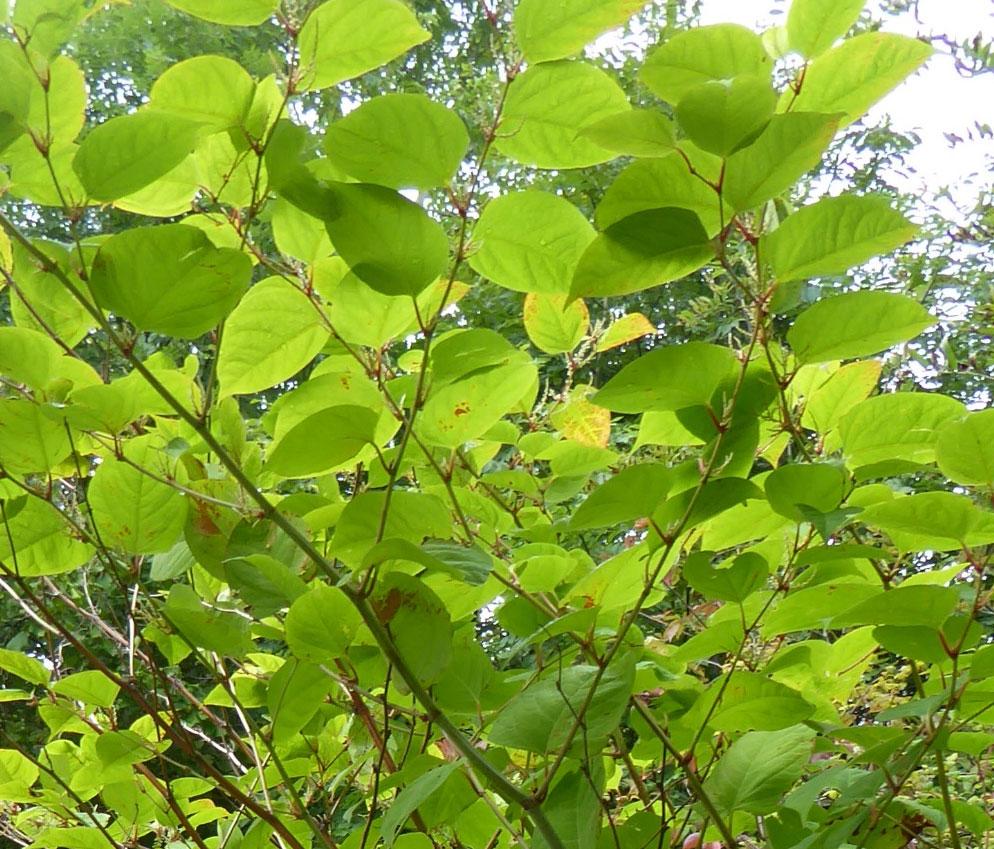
x=626, y=329
x=583, y=421
x=551, y=325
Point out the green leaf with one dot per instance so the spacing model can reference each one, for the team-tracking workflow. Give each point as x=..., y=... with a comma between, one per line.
x=321, y=624
x=669, y=378
x=169, y=278
x=133, y=510
x=815, y=25
x=546, y=108
x=833, y=235
x=746, y=574
x=467, y=408
x=46, y=24
x=418, y=622
x=720, y=114
x=467, y=563
x=789, y=147
x=702, y=54
x=15, y=95
x=644, y=250
x=42, y=302
x=17, y=774
x=130, y=152
x=638, y=132
x=630, y=494
x=539, y=718
x=758, y=769
x=928, y=606
x=656, y=184
x=230, y=12
x=817, y=486
x=91, y=687
x=225, y=633
x=965, y=449
x=547, y=32
x=40, y=537
x=942, y=521
x=323, y=441
x=33, y=437
x=24, y=667
x=411, y=798
x=400, y=141
x=271, y=335
x=877, y=429
x=342, y=39
x=412, y=516
x=575, y=812
x=214, y=91
x=850, y=78
x=856, y=324
x=388, y=241
x=296, y=692
x=553, y=326
x=530, y=241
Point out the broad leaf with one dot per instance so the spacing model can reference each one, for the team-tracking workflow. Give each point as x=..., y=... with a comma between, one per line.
x=718, y=52
x=633, y=493
x=321, y=624
x=850, y=78
x=400, y=141
x=833, y=235
x=720, y=114
x=856, y=324
x=129, y=152
x=230, y=12
x=734, y=582
x=789, y=147
x=877, y=429
x=547, y=32
x=214, y=91
x=342, y=39
x=965, y=449
x=626, y=329
x=388, y=241
x=941, y=521
x=417, y=621
x=170, y=279
x=656, y=184
x=641, y=251
x=758, y=769
x=792, y=488
x=271, y=335
x=553, y=326
x=546, y=108
x=540, y=718
x=530, y=242
x=133, y=507
x=668, y=378
x=211, y=628
x=323, y=440
x=814, y=25
x=903, y=606
x=638, y=132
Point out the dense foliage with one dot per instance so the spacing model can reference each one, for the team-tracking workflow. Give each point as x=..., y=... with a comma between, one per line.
x=407, y=441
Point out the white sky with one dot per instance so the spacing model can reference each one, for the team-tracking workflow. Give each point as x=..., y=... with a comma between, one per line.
x=935, y=101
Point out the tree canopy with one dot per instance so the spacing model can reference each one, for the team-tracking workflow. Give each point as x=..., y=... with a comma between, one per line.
x=433, y=425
